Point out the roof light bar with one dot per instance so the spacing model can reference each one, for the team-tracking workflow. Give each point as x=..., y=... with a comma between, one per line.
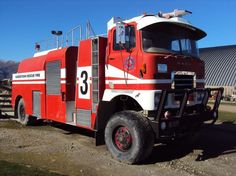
x=175, y=13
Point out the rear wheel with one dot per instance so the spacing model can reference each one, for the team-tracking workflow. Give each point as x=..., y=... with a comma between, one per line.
x=129, y=137
x=23, y=118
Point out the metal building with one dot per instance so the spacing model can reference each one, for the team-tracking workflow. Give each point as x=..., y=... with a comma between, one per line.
x=220, y=66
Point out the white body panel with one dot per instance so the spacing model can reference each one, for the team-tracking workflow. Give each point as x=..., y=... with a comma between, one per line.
x=145, y=98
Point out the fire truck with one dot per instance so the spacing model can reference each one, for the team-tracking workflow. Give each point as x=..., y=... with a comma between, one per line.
x=142, y=84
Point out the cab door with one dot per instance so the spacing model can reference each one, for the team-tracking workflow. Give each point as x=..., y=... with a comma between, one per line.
x=123, y=58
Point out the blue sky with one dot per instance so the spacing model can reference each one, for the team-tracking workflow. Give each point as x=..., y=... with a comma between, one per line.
x=23, y=22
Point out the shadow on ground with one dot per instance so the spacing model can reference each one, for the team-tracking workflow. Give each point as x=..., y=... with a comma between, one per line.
x=69, y=129
x=213, y=141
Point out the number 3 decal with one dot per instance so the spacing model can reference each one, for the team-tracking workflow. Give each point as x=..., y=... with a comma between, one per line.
x=84, y=74
x=84, y=85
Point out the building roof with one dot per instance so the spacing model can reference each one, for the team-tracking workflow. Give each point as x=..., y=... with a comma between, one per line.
x=220, y=65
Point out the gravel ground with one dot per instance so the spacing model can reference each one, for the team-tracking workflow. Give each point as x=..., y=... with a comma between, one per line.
x=228, y=108
x=71, y=151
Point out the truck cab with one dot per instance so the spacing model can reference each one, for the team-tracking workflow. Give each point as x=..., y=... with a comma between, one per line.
x=157, y=53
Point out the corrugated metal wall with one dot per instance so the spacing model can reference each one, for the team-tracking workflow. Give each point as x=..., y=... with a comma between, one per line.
x=220, y=63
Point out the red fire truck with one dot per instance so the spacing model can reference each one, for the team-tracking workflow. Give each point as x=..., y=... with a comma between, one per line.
x=141, y=84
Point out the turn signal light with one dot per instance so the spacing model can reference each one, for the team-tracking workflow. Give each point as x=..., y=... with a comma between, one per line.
x=144, y=69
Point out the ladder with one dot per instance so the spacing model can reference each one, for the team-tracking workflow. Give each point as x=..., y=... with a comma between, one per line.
x=95, y=73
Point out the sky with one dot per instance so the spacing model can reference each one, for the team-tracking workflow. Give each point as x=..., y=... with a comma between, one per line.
x=24, y=22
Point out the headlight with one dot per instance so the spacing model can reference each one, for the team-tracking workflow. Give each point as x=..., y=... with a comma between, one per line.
x=162, y=68
x=200, y=96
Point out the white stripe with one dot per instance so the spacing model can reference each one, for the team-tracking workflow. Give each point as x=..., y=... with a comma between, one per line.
x=63, y=73
x=35, y=75
x=35, y=82
x=29, y=82
x=147, y=81
x=160, y=81
x=141, y=81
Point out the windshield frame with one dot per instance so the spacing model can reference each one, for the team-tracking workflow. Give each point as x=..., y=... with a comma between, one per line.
x=179, y=33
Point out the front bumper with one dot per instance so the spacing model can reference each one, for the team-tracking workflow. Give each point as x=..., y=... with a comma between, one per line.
x=173, y=122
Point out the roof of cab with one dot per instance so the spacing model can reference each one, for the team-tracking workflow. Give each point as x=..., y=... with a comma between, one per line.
x=148, y=20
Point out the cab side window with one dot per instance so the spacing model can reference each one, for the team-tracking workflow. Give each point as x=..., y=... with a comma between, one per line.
x=129, y=39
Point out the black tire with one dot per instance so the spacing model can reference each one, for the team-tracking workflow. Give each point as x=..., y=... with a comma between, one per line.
x=23, y=118
x=129, y=137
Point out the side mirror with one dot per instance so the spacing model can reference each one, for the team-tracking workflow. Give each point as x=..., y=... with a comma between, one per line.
x=120, y=33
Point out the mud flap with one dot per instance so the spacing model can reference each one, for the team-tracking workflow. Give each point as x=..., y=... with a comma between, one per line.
x=99, y=138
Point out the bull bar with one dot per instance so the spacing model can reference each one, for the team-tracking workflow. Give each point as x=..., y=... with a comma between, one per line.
x=173, y=122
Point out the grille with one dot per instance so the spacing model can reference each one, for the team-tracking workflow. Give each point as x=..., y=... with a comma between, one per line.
x=183, y=81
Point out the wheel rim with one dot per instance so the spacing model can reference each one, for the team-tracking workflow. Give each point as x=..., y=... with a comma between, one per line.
x=22, y=113
x=122, y=138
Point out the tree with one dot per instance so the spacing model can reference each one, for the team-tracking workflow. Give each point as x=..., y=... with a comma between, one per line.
x=7, y=68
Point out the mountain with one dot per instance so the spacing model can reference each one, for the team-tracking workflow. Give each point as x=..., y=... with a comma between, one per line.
x=7, y=68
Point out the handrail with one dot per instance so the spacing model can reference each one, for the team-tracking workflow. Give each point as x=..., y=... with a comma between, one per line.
x=71, y=38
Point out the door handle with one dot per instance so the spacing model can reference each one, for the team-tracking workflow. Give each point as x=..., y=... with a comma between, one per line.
x=63, y=96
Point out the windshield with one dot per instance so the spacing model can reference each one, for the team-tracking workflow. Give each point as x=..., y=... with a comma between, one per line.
x=170, y=38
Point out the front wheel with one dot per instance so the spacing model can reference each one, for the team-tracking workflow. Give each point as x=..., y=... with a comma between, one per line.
x=129, y=137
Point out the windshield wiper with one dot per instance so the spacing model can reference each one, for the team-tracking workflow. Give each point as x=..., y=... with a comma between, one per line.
x=176, y=55
x=173, y=54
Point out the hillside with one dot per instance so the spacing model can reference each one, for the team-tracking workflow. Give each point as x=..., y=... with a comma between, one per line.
x=7, y=68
